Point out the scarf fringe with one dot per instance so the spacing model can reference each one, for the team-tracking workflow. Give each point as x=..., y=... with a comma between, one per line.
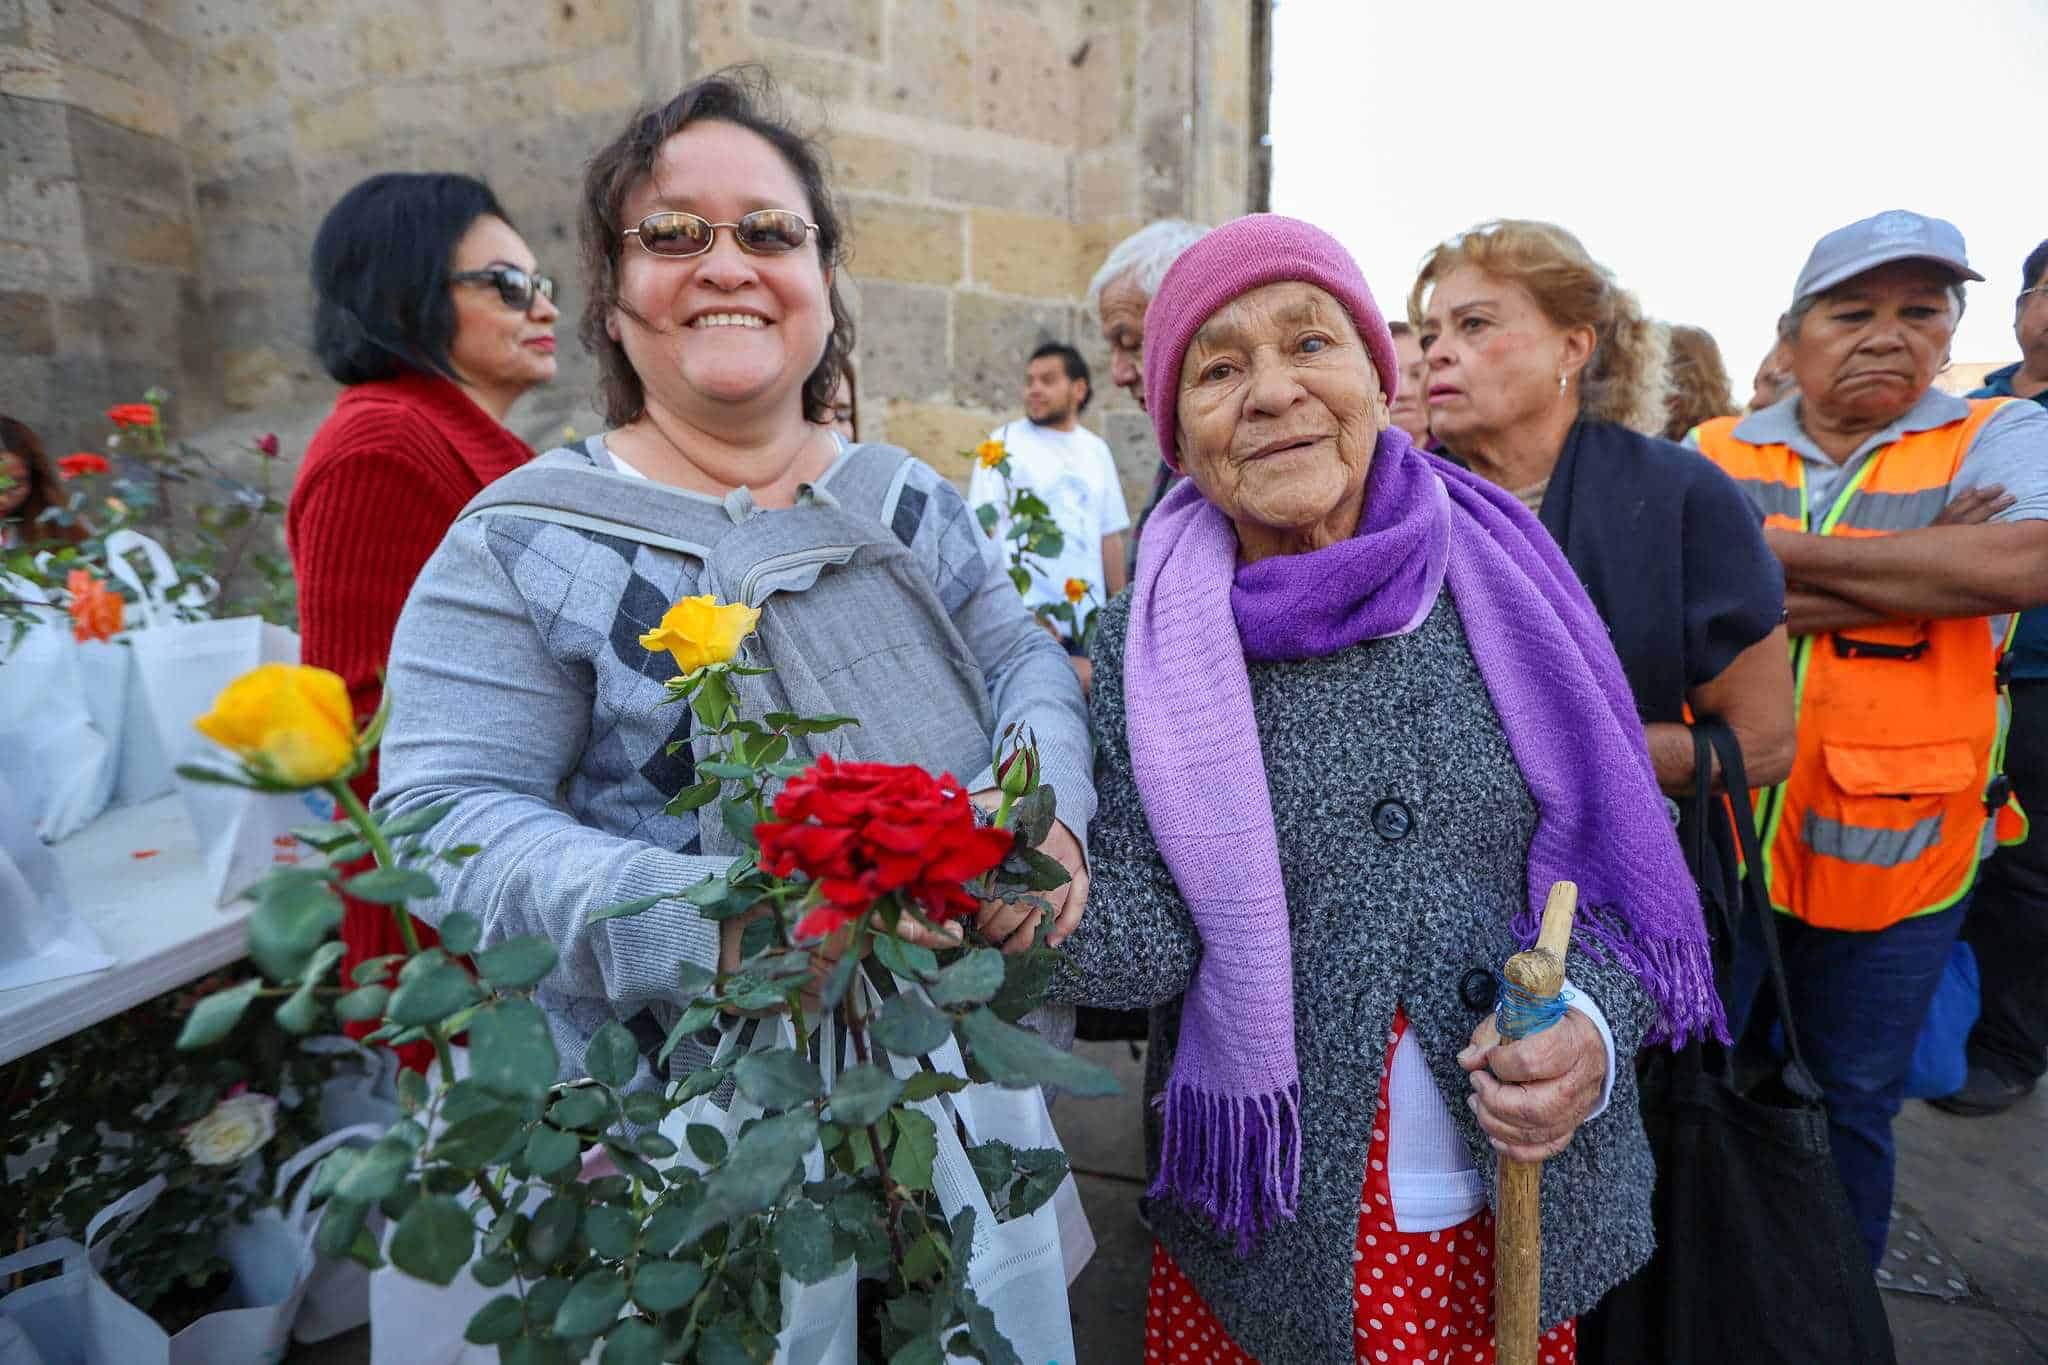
x=1677, y=974
x=1233, y=1159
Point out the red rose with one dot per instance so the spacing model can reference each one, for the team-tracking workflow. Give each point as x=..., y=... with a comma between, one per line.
x=132, y=414
x=266, y=445
x=863, y=831
x=84, y=462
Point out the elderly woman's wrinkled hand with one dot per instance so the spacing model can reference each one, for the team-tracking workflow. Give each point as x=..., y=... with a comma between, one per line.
x=1531, y=1097
x=1011, y=925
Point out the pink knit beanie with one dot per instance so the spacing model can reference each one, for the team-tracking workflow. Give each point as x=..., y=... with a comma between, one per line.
x=1260, y=248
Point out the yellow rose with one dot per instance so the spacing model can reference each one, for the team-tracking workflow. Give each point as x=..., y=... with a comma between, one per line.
x=990, y=453
x=699, y=631
x=1077, y=588
x=286, y=722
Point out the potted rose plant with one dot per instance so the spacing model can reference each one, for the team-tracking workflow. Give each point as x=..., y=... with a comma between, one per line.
x=114, y=1106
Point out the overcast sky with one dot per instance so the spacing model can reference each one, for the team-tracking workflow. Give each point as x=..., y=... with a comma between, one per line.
x=1698, y=151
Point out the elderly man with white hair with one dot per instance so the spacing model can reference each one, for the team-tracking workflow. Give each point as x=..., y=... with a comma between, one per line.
x=1118, y=296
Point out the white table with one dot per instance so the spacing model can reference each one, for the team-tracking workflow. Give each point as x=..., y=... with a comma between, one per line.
x=153, y=914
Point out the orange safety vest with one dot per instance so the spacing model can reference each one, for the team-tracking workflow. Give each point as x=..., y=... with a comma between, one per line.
x=1901, y=740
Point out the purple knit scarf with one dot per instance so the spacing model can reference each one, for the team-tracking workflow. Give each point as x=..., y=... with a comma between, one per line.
x=1232, y=1104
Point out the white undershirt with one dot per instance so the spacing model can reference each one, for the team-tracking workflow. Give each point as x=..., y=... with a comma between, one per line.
x=1429, y=1169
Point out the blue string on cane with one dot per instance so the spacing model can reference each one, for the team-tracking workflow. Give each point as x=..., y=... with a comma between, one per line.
x=1520, y=1014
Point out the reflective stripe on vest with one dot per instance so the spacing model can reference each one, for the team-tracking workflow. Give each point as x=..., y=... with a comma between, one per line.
x=1901, y=730
x=1894, y=511
x=1874, y=847
x=1774, y=499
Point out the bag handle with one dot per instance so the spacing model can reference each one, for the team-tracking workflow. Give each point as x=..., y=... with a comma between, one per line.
x=56, y=1249
x=298, y=1161
x=1755, y=894
x=1699, y=817
x=122, y=1213
x=154, y=597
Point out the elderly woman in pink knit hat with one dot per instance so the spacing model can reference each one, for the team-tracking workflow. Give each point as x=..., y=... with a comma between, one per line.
x=1354, y=718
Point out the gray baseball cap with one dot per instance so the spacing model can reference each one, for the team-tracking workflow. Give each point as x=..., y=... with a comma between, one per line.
x=1894, y=235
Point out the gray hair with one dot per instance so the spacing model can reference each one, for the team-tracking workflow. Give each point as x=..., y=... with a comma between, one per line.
x=1144, y=257
x=1789, y=320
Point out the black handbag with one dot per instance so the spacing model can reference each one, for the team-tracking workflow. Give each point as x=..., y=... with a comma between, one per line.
x=1758, y=1258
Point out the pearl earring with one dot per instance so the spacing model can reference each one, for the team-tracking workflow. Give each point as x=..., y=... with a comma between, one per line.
x=1560, y=385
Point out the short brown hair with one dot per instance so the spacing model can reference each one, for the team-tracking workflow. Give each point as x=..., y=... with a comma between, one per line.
x=744, y=96
x=1700, y=389
x=1624, y=382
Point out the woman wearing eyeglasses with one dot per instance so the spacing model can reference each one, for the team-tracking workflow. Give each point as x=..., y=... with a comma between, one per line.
x=431, y=310
x=523, y=692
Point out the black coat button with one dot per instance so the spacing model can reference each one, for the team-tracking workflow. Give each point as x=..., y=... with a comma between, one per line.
x=1392, y=820
x=1478, y=990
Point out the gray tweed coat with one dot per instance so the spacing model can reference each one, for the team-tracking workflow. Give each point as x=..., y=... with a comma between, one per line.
x=1404, y=828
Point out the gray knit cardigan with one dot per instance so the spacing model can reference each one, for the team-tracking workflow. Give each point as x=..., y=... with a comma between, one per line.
x=1382, y=909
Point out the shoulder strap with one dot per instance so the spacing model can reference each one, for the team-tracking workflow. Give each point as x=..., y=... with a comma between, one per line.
x=1754, y=896
x=867, y=479
x=565, y=488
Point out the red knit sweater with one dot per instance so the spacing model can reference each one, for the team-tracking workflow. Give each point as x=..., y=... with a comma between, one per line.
x=382, y=482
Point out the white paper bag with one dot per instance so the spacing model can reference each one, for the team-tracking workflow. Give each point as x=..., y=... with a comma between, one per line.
x=271, y=1263
x=47, y=1320
x=414, y=1322
x=62, y=764
x=1020, y=1269
x=337, y=1293
x=106, y=674
x=819, y=1325
x=145, y=569
x=41, y=937
x=352, y=1098
x=141, y=772
x=183, y=668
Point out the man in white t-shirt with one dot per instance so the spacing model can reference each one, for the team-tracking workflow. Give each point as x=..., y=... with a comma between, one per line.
x=1070, y=468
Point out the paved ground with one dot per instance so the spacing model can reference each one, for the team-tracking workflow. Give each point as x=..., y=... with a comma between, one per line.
x=1975, y=1190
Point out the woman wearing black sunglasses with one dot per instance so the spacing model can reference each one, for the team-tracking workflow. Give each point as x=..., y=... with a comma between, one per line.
x=432, y=311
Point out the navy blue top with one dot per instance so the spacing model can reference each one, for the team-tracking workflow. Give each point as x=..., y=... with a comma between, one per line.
x=1674, y=557
x=2030, y=641
x=1672, y=554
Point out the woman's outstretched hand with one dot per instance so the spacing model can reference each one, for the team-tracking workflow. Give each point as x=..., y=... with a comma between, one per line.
x=1531, y=1097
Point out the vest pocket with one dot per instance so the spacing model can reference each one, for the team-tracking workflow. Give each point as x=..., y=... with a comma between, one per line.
x=1885, y=807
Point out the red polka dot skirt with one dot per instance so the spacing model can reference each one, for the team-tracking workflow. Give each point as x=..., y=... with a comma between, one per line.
x=1423, y=1298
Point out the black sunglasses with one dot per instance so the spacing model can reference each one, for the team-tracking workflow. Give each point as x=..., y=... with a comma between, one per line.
x=514, y=285
x=764, y=232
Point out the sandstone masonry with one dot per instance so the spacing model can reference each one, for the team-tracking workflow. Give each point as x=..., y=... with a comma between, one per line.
x=165, y=163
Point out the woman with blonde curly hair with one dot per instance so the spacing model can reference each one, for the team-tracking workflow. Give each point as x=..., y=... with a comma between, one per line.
x=1699, y=384
x=1544, y=376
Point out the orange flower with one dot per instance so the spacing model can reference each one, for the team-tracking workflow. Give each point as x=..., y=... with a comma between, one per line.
x=1077, y=588
x=132, y=414
x=83, y=462
x=95, y=612
x=990, y=453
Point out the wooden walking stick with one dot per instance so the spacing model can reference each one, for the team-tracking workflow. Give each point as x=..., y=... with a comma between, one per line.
x=1538, y=974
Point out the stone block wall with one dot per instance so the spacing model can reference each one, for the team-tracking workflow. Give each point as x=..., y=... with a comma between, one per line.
x=164, y=165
